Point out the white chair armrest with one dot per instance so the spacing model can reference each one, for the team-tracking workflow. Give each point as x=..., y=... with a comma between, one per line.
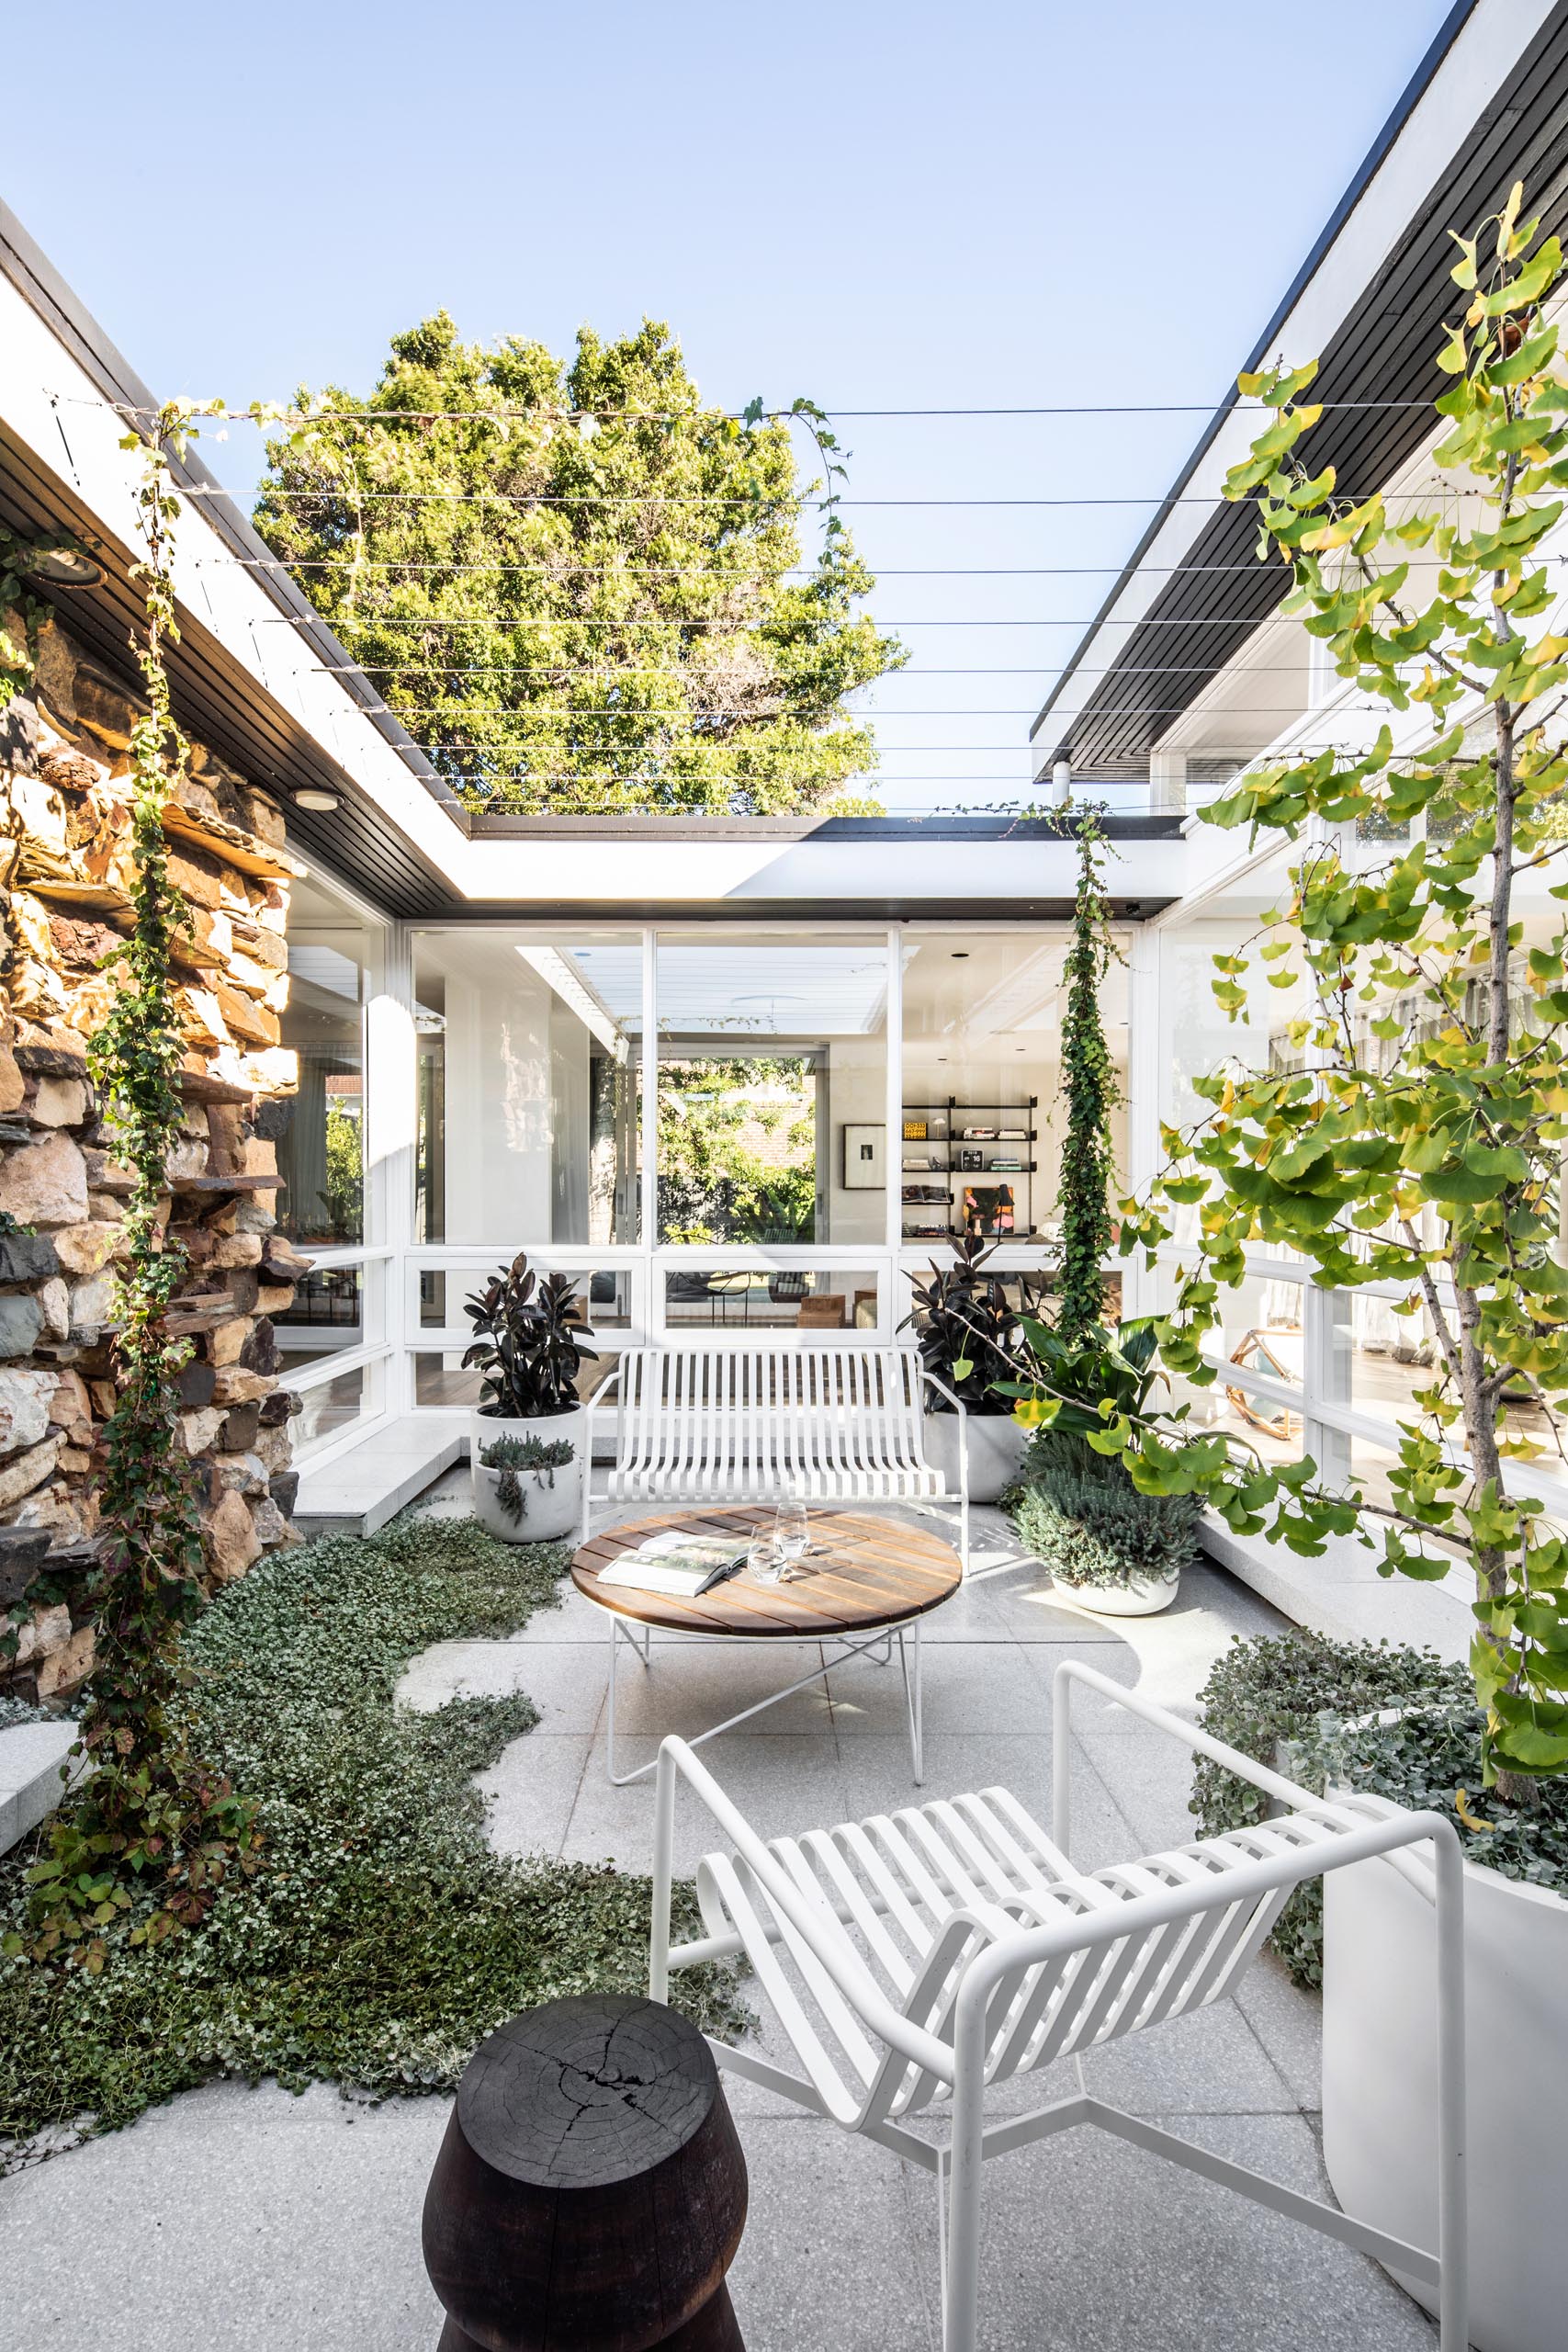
x=826, y=1942
x=1196, y=1741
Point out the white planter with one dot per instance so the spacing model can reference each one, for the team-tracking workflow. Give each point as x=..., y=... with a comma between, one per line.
x=1139, y=1597
x=553, y=1498
x=1379, y=2083
x=996, y=1450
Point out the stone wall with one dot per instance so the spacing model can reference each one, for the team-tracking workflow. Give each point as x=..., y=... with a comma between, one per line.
x=64, y=872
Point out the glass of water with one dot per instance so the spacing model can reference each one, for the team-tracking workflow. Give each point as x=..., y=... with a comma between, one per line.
x=764, y=1562
x=792, y=1532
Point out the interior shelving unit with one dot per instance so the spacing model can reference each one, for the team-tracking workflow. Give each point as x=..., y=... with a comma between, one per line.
x=935, y=1162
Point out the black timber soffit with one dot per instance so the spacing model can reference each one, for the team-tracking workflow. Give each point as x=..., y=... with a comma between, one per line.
x=1385, y=351
x=217, y=700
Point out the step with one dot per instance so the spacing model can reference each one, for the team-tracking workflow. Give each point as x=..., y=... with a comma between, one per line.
x=359, y=1490
x=31, y=1785
x=1341, y=1596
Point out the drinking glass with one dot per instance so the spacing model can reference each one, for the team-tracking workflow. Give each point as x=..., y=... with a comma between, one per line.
x=764, y=1562
x=791, y=1534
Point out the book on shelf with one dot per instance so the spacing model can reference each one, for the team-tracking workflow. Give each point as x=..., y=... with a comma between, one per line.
x=684, y=1566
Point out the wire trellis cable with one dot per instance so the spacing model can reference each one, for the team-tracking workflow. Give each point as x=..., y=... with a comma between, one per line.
x=524, y=501
x=696, y=416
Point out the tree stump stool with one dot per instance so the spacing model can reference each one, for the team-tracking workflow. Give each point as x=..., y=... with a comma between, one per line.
x=590, y=2191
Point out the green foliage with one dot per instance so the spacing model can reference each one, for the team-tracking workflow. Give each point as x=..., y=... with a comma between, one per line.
x=1089, y=1080
x=588, y=602
x=1423, y=1139
x=153, y=1814
x=967, y=1327
x=23, y=611
x=342, y=1197
x=1277, y=1700
x=1092, y=1531
x=384, y=1940
x=1085, y=1398
x=529, y=1341
x=732, y=1165
x=512, y=1455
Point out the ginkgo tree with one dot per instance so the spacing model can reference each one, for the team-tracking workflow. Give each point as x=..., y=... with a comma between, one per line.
x=1414, y=1128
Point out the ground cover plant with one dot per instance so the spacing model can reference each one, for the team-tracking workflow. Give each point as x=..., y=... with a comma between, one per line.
x=1285, y=1700
x=379, y=1938
x=1090, y=1532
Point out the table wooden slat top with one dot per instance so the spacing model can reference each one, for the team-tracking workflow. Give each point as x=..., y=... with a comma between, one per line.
x=877, y=1572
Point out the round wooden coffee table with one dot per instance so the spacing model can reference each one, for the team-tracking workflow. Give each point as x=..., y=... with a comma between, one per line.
x=870, y=1582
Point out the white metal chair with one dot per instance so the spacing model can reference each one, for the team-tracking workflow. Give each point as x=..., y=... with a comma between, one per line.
x=918, y=1958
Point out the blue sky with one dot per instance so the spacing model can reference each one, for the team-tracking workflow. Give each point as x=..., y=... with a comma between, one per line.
x=881, y=206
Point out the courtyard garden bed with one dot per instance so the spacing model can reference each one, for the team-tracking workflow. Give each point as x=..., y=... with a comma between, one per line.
x=380, y=1938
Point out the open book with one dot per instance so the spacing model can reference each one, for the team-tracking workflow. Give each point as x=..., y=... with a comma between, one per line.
x=681, y=1565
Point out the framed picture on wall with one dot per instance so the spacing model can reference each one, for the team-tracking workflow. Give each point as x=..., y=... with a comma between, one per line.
x=864, y=1156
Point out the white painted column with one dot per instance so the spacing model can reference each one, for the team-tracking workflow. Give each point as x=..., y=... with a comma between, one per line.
x=650, y=1169
x=1167, y=783
x=892, y=1302
x=391, y=1127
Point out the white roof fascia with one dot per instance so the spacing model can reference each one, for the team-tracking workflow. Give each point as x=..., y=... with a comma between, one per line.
x=52, y=405
x=1478, y=59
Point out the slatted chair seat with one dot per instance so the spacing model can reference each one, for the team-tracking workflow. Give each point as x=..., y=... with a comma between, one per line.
x=922, y=1892
x=917, y=1959
x=828, y=1424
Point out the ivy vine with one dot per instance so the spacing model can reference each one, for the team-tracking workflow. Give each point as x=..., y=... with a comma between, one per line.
x=155, y=1831
x=1089, y=1080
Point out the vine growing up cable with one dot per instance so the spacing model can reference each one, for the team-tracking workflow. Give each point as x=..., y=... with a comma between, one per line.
x=155, y=1830
x=1089, y=1080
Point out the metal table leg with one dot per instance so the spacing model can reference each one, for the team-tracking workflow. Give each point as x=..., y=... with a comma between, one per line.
x=913, y=1695
x=844, y=1652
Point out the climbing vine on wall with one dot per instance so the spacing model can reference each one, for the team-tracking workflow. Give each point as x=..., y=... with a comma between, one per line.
x=155, y=1831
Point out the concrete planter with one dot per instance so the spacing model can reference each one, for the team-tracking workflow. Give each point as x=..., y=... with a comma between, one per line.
x=1379, y=2083
x=996, y=1450
x=553, y=1498
x=1139, y=1597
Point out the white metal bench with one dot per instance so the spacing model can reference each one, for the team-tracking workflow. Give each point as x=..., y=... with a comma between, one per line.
x=828, y=1424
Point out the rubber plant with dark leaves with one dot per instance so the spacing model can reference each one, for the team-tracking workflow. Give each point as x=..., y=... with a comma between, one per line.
x=152, y=1836
x=966, y=1328
x=530, y=1341
x=1410, y=1127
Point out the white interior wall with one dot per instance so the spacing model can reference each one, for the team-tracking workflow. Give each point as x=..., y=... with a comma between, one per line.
x=499, y=1082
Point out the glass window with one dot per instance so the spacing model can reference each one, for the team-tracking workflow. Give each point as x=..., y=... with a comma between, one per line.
x=319, y=1130
x=605, y=1292
x=771, y=1298
x=329, y=1315
x=329, y=1407
x=439, y=1378
x=981, y=1125
x=772, y=1088
x=528, y=1087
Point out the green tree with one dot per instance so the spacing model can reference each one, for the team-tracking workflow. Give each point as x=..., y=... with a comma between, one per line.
x=1419, y=1138
x=734, y=1166
x=576, y=585
x=1089, y=1080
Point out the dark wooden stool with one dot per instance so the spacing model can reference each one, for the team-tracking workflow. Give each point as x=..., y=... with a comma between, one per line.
x=590, y=2191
